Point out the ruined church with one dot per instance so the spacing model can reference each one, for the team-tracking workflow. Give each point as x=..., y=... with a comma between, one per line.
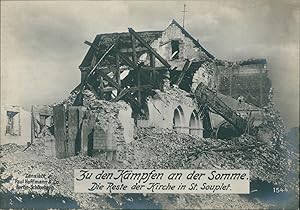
x=149, y=79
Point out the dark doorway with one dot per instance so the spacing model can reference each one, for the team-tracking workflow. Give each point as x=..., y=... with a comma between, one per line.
x=226, y=131
x=90, y=143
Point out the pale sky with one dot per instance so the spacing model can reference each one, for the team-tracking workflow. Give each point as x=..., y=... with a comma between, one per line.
x=42, y=42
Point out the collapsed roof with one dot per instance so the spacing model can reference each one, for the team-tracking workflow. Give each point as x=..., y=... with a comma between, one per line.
x=130, y=65
x=103, y=41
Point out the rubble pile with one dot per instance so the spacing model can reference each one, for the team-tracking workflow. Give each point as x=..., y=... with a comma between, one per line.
x=61, y=173
x=170, y=95
x=273, y=126
x=106, y=114
x=10, y=148
x=274, y=122
x=16, y=163
x=159, y=149
x=91, y=102
x=169, y=149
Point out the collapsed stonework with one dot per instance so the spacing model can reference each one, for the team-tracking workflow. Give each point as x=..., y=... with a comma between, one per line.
x=155, y=74
x=98, y=128
x=158, y=99
x=148, y=79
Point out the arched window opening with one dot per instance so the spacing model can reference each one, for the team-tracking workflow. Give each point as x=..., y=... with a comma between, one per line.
x=178, y=119
x=195, y=125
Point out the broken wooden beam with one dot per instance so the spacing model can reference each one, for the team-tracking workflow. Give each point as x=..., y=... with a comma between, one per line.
x=138, y=70
x=134, y=56
x=237, y=148
x=91, y=45
x=131, y=90
x=110, y=80
x=119, y=88
x=149, y=68
x=109, y=89
x=184, y=70
x=127, y=61
x=77, y=88
x=101, y=59
x=208, y=98
x=101, y=87
x=145, y=44
x=152, y=64
x=91, y=88
x=122, y=94
x=86, y=75
x=139, y=85
x=117, y=73
x=152, y=59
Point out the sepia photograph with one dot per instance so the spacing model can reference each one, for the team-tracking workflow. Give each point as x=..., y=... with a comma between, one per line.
x=150, y=104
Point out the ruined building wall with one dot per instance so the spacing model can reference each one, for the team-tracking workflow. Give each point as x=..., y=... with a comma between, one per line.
x=18, y=130
x=173, y=110
x=98, y=128
x=249, y=81
x=246, y=78
x=187, y=48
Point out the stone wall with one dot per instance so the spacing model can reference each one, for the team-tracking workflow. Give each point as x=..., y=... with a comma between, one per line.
x=187, y=48
x=126, y=121
x=173, y=109
x=246, y=78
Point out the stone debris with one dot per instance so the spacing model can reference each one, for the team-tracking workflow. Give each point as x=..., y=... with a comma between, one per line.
x=169, y=149
x=32, y=160
x=267, y=158
x=266, y=155
x=159, y=149
x=170, y=95
x=16, y=163
x=105, y=114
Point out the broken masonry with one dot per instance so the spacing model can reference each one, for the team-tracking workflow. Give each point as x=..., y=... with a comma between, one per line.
x=163, y=79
